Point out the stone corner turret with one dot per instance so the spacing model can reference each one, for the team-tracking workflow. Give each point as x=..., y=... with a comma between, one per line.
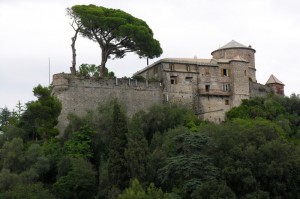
x=276, y=85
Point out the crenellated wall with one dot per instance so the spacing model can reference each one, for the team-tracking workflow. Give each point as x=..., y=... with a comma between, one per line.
x=79, y=95
x=259, y=90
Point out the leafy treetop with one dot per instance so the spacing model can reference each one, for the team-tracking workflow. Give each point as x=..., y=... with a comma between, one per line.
x=116, y=32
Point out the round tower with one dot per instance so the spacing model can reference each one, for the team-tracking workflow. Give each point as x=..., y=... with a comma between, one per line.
x=234, y=50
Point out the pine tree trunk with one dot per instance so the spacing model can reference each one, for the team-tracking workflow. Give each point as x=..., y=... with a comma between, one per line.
x=73, y=67
x=102, y=68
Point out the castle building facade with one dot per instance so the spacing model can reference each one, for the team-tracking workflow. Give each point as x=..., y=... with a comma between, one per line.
x=210, y=87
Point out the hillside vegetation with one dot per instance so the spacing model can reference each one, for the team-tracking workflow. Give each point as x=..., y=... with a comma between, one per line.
x=162, y=153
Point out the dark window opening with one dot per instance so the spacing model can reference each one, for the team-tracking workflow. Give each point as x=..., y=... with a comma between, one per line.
x=226, y=102
x=173, y=80
x=207, y=87
x=188, y=79
x=226, y=87
x=225, y=72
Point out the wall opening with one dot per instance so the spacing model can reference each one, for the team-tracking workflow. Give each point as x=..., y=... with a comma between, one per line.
x=171, y=66
x=225, y=72
x=207, y=87
x=188, y=80
x=227, y=102
x=188, y=68
x=173, y=79
x=226, y=87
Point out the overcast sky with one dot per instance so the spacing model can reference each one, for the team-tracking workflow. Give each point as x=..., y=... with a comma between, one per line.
x=32, y=31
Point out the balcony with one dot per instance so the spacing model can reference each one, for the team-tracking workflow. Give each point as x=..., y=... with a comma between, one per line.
x=214, y=92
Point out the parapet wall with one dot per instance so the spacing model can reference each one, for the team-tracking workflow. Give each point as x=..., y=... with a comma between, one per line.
x=79, y=95
x=259, y=90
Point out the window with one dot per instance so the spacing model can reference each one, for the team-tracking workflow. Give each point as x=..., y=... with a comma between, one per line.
x=225, y=72
x=245, y=73
x=171, y=66
x=173, y=79
x=188, y=79
x=226, y=87
x=188, y=68
x=207, y=87
x=227, y=102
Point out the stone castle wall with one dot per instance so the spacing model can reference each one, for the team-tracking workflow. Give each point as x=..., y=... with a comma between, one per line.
x=78, y=95
x=246, y=53
x=259, y=90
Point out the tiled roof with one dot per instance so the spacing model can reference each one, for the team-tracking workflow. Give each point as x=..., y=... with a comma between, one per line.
x=233, y=44
x=190, y=60
x=274, y=80
x=206, y=62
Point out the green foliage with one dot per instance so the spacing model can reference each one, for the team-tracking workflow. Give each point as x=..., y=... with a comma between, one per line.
x=139, y=78
x=213, y=189
x=88, y=71
x=116, y=32
x=136, y=191
x=188, y=165
x=117, y=165
x=161, y=118
x=137, y=152
x=32, y=191
x=12, y=155
x=78, y=181
x=254, y=154
x=40, y=117
x=8, y=180
x=10, y=133
x=4, y=117
x=79, y=145
x=281, y=110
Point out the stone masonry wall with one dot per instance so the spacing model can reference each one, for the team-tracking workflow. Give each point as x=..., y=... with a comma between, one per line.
x=78, y=96
x=259, y=90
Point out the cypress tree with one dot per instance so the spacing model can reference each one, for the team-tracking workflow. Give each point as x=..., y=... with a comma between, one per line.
x=117, y=166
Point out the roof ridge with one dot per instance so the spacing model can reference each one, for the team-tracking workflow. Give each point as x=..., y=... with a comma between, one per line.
x=273, y=80
x=233, y=44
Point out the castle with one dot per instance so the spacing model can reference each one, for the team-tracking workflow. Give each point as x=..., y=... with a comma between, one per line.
x=210, y=87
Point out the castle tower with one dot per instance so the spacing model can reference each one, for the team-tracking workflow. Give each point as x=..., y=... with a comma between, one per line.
x=234, y=49
x=276, y=85
x=241, y=61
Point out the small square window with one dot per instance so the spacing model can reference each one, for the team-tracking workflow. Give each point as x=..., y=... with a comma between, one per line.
x=188, y=79
x=173, y=79
x=226, y=87
x=207, y=87
x=225, y=72
x=227, y=102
